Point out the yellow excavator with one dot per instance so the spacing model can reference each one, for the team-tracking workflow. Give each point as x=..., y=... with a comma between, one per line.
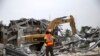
x=52, y=25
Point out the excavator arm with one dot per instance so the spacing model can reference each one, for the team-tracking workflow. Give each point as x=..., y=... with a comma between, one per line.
x=52, y=25
x=61, y=20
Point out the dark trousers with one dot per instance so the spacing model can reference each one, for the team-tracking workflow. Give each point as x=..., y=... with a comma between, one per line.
x=49, y=49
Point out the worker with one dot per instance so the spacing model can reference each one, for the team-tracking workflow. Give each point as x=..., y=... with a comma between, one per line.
x=49, y=43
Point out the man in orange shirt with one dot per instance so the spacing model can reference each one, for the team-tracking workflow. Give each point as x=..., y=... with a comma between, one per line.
x=49, y=43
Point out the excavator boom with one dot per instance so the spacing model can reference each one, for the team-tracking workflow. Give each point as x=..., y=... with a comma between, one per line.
x=61, y=20
x=52, y=25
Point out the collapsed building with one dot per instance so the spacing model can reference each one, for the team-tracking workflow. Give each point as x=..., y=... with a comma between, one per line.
x=11, y=34
x=29, y=26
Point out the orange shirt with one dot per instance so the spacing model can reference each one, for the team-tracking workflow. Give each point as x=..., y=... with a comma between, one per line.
x=49, y=40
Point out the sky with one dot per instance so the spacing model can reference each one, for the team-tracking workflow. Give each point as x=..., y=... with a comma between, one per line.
x=85, y=12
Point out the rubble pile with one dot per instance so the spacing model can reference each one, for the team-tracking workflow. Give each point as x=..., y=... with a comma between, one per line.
x=79, y=44
x=29, y=26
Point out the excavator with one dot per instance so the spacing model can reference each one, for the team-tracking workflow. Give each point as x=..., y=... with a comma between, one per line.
x=52, y=25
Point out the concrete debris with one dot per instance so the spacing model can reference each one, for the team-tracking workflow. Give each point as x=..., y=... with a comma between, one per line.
x=63, y=47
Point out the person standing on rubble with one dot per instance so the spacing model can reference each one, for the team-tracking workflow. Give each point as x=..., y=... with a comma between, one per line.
x=49, y=43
